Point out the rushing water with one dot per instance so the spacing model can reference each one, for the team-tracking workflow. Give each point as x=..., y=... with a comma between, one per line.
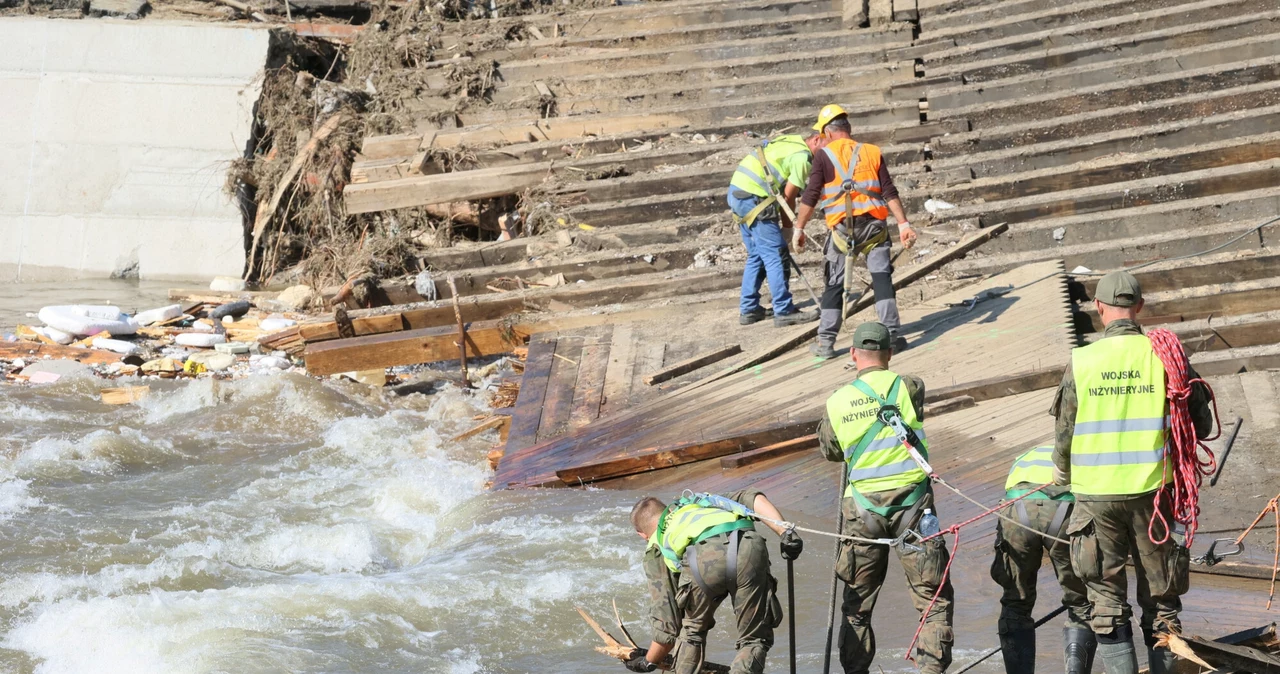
x=281, y=523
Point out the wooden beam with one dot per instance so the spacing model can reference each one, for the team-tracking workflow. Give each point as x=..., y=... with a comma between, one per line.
x=38, y=351
x=689, y=365
x=999, y=387
x=409, y=347
x=676, y=455
x=533, y=390
x=784, y=448
x=443, y=188
x=901, y=280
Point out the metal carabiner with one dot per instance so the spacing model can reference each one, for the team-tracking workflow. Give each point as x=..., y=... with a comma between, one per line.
x=847, y=186
x=1213, y=556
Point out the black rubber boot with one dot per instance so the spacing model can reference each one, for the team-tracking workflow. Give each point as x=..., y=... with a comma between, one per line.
x=794, y=318
x=1019, y=650
x=1118, y=656
x=1080, y=645
x=1160, y=660
x=823, y=350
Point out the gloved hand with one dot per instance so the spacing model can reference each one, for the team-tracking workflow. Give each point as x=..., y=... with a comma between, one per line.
x=907, y=234
x=637, y=662
x=798, y=240
x=791, y=545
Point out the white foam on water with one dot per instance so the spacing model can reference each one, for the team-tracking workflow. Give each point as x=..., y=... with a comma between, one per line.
x=15, y=495
x=101, y=451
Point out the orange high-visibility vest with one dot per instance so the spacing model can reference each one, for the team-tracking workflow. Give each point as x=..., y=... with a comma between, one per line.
x=859, y=179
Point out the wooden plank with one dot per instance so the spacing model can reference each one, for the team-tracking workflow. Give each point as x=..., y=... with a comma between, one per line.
x=999, y=387
x=409, y=347
x=783, y=448
x=565, y=128
x=907, y=277
x=558, y=404
x=443, y=188
x=665, y=457
x=533, y=391
x=390, y=147
x=37, y=351
x=493, y=421
x=686, y=366
x=620, y=371
x=589, y=391
x=124, y=395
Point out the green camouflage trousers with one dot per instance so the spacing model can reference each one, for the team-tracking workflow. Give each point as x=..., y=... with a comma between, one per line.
x=1104, y=535
x=755, y=602
x=1016, y=567
x=863, y=567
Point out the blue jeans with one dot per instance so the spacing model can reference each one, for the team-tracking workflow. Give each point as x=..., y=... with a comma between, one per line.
x=767, y=257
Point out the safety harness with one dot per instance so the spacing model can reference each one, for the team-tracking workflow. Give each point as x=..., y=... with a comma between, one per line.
x=876, y=518
x=770, y=186
x=847, y=187
x=690, y=552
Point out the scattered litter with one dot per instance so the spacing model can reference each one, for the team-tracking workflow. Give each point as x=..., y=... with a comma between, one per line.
x=1082, y=270
x=233, y=309
x=84, y=320
x=158, y=315
x=43, y=377
x=1059, y=233
x=648, y=258
x=227, y=284
x=231, y=347
x=275, y=324
x=935, y=205
x=298, y=298
x=204, y=340
x=213, y=360
x=425, y=286
x=272, y=362
x=116, y=345
x=55, y=335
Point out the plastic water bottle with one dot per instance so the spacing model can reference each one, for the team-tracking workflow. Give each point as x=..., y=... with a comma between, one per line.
x=929, y=524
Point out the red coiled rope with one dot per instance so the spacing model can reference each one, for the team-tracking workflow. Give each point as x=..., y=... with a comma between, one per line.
x=1190, y=465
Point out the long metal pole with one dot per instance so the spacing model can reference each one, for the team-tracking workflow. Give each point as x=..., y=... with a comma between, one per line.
x=1057, y=612
x=816, y=302
x=1222, y=460
x=791, y=611
x=835, y=581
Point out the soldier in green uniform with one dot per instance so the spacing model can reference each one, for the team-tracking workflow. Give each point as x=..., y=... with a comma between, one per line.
x=1112, y=434
x=701, y=549
x=1019, y=553
x=887, y=493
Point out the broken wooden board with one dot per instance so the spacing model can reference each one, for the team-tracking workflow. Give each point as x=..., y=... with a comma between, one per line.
x=686, y=366
x=37, y=351
x=1029, y=327
x=124, y=395
x=443, y=188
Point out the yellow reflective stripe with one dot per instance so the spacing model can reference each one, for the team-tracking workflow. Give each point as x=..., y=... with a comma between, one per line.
x=1120, y=426
x=883, y=471
x=1122, y=458
x=751, y=175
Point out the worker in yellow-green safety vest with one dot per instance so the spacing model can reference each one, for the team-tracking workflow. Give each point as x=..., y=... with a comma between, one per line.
x=1020, y=551
x=1110, y=446
x=762, y=196
x=700, y=549
x=887, y=494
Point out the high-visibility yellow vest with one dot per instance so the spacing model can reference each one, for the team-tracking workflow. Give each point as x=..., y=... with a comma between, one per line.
x=762, y=181
x=883, y=463
x=686, y=524
x=1120, y=426
x=856, y=182
x=1034, y=467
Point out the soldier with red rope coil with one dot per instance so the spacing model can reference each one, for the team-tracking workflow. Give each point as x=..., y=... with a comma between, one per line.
x=1132, y=474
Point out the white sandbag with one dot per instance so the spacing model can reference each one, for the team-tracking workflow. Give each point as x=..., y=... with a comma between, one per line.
x=276, y=324
x=80, y=319
x=156, y=315
x=117, y=345
x=55, y=334
x=200, y=339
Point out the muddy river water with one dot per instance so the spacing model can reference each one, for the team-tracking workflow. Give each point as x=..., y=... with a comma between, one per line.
x=284, y=524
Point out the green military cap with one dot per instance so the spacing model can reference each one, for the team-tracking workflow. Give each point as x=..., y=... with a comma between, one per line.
x=1119, y=289
x=872, y=336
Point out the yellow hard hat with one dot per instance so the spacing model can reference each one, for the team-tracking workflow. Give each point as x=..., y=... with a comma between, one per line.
x=827, y=114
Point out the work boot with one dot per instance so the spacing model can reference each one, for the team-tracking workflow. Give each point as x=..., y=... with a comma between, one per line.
x=899, y=344
x=1019, y=650
x=794, y=318
x=1080, y=645
x=1119, y=657
x=1160, y=660
x=823, y=350
x=756, y=316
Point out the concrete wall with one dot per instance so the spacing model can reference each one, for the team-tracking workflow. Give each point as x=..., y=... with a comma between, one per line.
x=115, y=137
